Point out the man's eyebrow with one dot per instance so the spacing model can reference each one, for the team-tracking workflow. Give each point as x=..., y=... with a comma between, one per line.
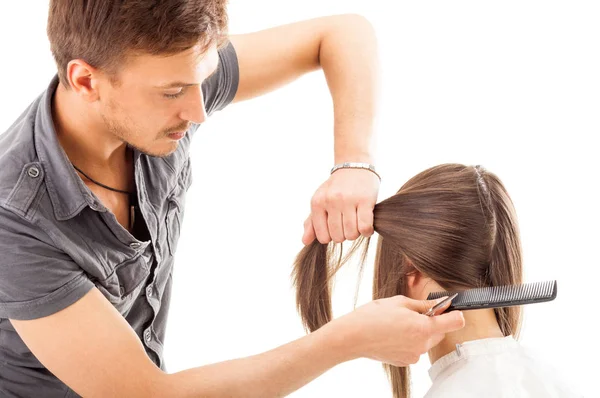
x=182, y=84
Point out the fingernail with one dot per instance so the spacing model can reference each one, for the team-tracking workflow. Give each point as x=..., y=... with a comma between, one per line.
x=441, y=299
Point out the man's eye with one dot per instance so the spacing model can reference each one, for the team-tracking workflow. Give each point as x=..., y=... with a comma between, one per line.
x=175, y=95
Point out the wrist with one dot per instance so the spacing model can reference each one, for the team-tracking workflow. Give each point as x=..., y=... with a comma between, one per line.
x=355, y=165
x=340, y=339
x=353, y=156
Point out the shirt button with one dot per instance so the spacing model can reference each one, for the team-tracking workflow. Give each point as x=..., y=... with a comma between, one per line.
x=147, y=335
x=33, y=172
x=121, y=290
x=149, y=291
x=135, y=245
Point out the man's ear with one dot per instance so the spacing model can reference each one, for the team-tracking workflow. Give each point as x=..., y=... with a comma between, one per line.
x=81, y=77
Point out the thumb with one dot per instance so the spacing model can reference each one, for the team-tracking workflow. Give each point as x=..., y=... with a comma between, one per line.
x=446, y=323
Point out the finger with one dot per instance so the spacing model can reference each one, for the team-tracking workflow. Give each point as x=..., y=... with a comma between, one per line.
x=364, y=215
x=319, y=220
x=309, y=232
x=349, y=219
x=336, y=230
x=318, y=217
x=422, y=306
x=446, y=323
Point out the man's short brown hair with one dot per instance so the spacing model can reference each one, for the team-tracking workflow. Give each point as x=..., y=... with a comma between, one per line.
x=104, y=32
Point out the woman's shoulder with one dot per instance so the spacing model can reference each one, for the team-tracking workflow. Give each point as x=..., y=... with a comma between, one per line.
x=514, y=371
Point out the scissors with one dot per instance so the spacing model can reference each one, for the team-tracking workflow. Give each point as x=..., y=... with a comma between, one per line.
x=432, y=310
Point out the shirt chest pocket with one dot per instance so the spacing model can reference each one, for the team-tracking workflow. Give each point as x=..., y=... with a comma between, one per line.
x=176, y=206
x=124, y=283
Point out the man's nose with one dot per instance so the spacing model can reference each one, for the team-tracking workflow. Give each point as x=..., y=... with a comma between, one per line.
x=194, y=109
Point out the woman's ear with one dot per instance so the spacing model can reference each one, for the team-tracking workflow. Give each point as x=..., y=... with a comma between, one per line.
x=416, y=284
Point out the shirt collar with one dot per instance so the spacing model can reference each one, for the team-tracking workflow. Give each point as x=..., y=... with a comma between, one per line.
x=68, y=193
x=472, y=348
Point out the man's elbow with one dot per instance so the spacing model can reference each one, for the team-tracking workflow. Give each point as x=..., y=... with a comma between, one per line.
x=148, y=384
x=158, y=384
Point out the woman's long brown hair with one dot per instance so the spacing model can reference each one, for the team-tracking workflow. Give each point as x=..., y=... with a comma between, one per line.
x=455, y=224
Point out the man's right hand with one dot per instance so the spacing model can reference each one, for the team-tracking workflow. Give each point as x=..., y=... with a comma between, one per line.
x=394, y=330
x=93, y=349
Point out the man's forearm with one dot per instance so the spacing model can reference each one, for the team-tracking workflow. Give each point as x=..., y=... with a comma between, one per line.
x=275, y=373
x=349, y=58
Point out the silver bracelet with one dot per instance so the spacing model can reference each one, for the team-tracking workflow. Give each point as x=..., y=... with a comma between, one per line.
x=355, y=165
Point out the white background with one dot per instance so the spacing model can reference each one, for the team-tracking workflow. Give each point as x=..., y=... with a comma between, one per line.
x=511, y=85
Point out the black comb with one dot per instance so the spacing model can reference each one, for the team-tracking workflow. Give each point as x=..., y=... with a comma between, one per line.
x=500, y=296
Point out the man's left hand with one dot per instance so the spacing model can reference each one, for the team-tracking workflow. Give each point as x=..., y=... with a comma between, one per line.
x=342, y=207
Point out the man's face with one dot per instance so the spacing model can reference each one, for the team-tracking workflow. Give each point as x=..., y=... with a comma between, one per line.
x=157, y=98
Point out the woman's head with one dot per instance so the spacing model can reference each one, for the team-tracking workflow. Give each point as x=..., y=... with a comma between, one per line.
x=451, y=227
x=451, y=224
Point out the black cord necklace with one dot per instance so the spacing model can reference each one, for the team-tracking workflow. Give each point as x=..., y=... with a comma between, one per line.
x=100, y=184
x=129, y=194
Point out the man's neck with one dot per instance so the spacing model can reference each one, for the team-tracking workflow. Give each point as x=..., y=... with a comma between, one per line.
x=480, y=324
x=84, y=136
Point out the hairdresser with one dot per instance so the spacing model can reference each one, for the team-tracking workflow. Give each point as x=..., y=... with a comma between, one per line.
x=93, y=176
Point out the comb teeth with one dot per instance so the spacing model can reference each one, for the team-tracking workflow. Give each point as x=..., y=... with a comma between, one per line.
x=501, y=296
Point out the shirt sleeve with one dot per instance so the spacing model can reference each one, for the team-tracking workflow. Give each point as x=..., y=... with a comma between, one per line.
x=36, y=278
x=220, y=89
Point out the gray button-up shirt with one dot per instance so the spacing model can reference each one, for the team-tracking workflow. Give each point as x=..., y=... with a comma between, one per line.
x=57, y=240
